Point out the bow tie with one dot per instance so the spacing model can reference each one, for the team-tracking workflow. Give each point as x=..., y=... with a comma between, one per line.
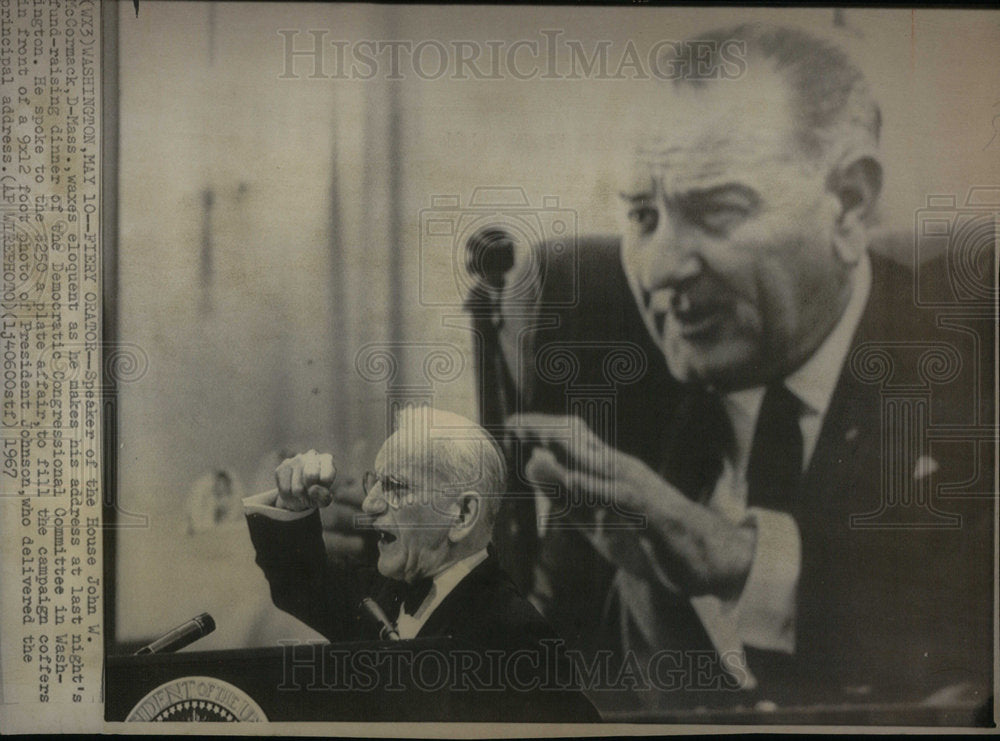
x=415, y=593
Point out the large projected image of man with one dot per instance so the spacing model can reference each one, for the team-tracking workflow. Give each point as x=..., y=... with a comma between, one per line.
x=747, y=249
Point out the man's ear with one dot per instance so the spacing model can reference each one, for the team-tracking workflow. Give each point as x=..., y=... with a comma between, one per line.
x=856, y=183
x=470, y=509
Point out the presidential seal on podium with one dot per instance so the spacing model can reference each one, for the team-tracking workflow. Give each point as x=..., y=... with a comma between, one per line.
x=196, y=699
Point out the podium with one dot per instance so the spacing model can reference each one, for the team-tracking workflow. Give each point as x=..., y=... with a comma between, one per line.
x=417, y=680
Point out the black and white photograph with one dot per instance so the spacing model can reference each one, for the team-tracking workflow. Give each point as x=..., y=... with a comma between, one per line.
x=625, y=366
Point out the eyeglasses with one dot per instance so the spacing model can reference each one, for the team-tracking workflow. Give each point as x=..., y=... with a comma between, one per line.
x=394, y=491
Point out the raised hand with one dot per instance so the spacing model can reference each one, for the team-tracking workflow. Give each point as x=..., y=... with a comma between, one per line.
x=638, y=520
x=305, y=481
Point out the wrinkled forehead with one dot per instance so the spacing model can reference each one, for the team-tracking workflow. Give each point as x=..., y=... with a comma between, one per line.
x=415, y=457
x=403, y=451
x=693, y=137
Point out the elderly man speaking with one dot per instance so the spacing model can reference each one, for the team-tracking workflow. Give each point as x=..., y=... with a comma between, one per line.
x=432, y=499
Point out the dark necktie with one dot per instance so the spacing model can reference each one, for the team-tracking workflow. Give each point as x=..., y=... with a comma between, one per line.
x=773, y=475
x=415, y=593
x=696, y=444
x=775, y=464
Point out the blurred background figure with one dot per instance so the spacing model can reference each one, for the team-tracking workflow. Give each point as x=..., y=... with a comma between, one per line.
x=214, y=500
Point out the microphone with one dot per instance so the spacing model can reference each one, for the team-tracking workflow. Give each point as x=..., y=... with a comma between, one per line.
x=386, y=630
x=184, y=634
x=490, y=255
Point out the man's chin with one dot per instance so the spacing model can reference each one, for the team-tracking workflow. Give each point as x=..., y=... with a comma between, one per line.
x=719, y=366
x=388, y=569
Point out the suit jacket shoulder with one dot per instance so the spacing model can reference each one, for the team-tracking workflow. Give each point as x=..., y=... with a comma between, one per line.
x=485, y=609
x=896, y=577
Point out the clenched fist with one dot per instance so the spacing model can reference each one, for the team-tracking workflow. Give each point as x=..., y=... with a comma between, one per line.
x=310, y=480
x=305, y=481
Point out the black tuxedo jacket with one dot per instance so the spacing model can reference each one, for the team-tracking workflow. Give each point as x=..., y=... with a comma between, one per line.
x=894, y=602
x=484, y=609
x=483, y=613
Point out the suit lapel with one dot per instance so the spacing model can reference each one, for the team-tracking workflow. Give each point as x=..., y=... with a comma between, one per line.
x=849, y=436
x=850, y=439
x=455, y=606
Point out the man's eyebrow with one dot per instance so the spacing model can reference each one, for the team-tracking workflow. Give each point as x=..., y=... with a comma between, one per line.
x=716, y=191
x=697, y=195
x=658, y=153
x=637, y=195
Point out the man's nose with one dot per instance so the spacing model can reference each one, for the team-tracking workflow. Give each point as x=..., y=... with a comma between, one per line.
x=374, y=503
x=670, y=256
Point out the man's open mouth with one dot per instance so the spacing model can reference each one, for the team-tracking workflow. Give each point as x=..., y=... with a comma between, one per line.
x=384, y=536
x=690, y=321
x=688, y=314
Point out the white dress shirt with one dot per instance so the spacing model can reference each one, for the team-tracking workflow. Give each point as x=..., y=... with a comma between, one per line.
x=763, y=616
